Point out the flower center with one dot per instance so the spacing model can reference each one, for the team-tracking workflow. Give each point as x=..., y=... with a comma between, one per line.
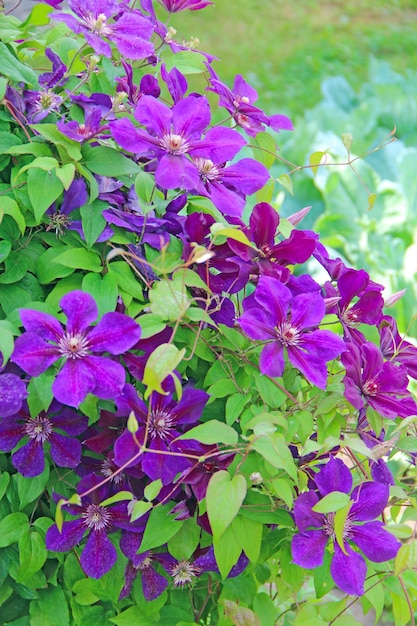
x=108, y=469
x=97, y=517
x=328, y=526
x=370, y=388
x=351, y=317
x=73, y=345
x=174, y=144
x=160, y=424
x=183, y=573
x=98, y=25
x=208, y=171
x=287, y=334
x=39, y=428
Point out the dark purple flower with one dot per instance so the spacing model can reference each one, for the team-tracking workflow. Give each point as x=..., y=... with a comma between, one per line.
x=174, y=6
x=153, y=583
x=12, y=393
x=38, y=431
x=99, y=554
x=273, y=315
x=199, y=476
x=266, y=256
x=371, y=381
x=82, y=372
x=39, y=104
x=368, y=500
x=130, y=32
x=396, y=348
x=148, y=85
x=166, y=420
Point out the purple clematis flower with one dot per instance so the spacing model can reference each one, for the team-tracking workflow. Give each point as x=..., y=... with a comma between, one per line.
x=239, y=100
x=166, y=420
x=45, y=341
x=51, y=79
x=130, y=32
x=368, y=500
x=171, y=136
x=174, y=6
x=99, y=554
x=90, y=128
x=273, y=315
x=371, y=381
x=37, y=431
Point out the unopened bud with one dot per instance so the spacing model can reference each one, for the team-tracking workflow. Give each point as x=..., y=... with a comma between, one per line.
x=256, y=478
x=132, y=423
x=347, y=139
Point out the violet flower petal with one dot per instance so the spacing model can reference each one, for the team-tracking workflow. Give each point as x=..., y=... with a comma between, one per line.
x=334, y=476
x=99, y=555
x=12, y=393
x=370, y=499
x=308, y=548
x=71, y=535
x=348, y=570
x=376, y=543
x=115, y=333
x=29, y=460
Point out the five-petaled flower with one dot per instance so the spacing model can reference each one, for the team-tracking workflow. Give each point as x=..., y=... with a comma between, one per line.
x=273, y=315
x=46, y=341
x=368, y=500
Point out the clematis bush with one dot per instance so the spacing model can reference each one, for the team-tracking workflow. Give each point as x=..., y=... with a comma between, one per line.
x=206, y=416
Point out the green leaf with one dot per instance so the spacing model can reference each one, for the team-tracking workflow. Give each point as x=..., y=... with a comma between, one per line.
x=120, y=496
x=50, y=609
x=224, y=498
x=32, y=555
x=248, y=534
x=43, y=387
x=227, y=551
x=29, y=489
x=43, y=163
x=5, y=247
x=12, y=527
x=286, y=182
x=134, y=616
x=103, y=289
x=315, y=160
x=282, y=489
x=266, y=150
x=36, y=148
x=160, y=528
x=210, y=432
x=107, y=161
x=3, y=87
x=151, y=325
x=160, y=364
x=93, y=221
x=4, y=483
x=235, y=404
x=44, y=187
x=47, y=270
x=138, y=508
x=6, y=344
x=169, y=299
x=14, y=69
x=125, y=279
x=220, y=230
x=80, y=258
x=186, y=540
x=275, y=450
x=222, y=388
x=151, y=491
x=187, y=62
x=323, y=581
x=66, y=174
x=333, y=501
x=270, y=393
x=51, y=133
x=406, y=558
x=8, y=206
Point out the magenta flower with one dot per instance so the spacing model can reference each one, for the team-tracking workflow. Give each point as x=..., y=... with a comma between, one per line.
x=371, y=381
x=368, y=500
x=170, y=136
x=12, y=393
x=396, y=348
x=130, y=33
x=273, y=315
x=46, y=340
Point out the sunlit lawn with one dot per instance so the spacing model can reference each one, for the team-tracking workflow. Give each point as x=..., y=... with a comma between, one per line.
x=285, y=49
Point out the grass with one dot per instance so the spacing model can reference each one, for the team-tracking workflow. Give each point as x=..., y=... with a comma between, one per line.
x=285, y=49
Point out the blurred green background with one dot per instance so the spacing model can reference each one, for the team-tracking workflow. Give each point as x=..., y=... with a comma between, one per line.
x=335, y=67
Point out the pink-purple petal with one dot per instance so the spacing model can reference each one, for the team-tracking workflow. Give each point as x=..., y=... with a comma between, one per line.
x=376, y=543
x=115, y=333
x=42, y=324
x=303, y=515
x=370, y=499
x=71, y=535
x=271, y=361
x=33, y=354
x=80, y=309
x=29, y=460
x=65, y=452
x=74, y=382
x=333, y=476
x=308, y=548
x=348, y=570
x=99, y=555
